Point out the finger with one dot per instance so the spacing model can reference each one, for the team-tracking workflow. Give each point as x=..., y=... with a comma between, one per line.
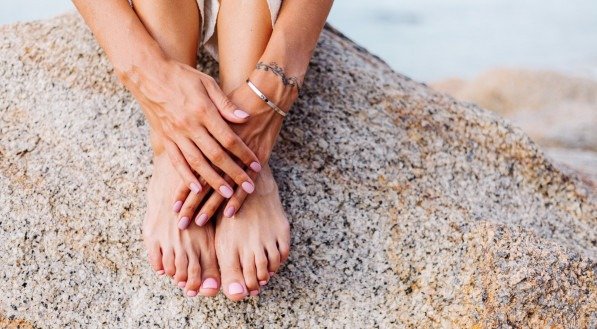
x=182, y=167
x=188, y=208
x=222, y=160
x=180, y=195
x=236, y=201
x=195, y=158
x=208, y=209
x=224, y=105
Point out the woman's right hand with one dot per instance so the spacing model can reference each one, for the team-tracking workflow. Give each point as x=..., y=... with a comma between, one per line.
x=190, y=108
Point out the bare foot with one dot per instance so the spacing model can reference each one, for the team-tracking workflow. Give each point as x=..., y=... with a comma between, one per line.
x=186, y=255
x=253, y=243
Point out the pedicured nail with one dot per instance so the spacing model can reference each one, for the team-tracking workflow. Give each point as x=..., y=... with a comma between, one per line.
x=177, y=206
x=226, y=191
x=191, y=293
x=195, y=188
x=255, y=166
x=262, y=282
x=241, y=114
x=181, y=284
x=229, y=212
x=236, y=288
x=248, y=187
x=201, y=219
x=271, y=274
x=161, y=272
x=254, y=293
x=209, y=283
x=184, y=223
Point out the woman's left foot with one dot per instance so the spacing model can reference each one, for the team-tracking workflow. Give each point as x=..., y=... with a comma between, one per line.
x=253, y=243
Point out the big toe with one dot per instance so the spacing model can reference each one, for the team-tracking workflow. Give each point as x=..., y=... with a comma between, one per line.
x=233, y=283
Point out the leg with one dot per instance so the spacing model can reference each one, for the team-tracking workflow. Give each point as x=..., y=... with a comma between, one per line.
x=250, y=247
x=188, y=256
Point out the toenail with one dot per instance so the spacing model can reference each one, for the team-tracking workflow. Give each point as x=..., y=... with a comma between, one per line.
x=177, y=206
x=263, y=282
x=210, y=283
x=226, y=191
x=255, y=166
x=271, y=274
x=201, y=220
x=229, y=212
x=248, y=187
x=195, y=188
x=254, y=292
x=184, y=223
x=236, y=288
x=161, y=272
x=181, y=284
x=191, y=293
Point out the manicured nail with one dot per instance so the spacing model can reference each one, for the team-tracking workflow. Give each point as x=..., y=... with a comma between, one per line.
x=201, y=220
x=177, y=206
x=184, y=223
x=161, y=272
x=195, y=188
x=254, y=293
x=191, y=293
x=255, y=166
x=229, y=212
x=236, y=288
x=210, y=283
x=248, y=187
x=241, y=114
x=181, y=284
x=226, y=191
x=263, y=282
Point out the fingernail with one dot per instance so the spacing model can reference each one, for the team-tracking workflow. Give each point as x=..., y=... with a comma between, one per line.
x=236, y=288
x=226, y=191
x=263, y=282
x=241, y=114
x=177, y=206
x=229, y=212
x=161, y=272
x=248, y=187
x=201, y=220
x=254, y=293
x=183, y=223
x=191, y=293
x=181, y=284
x=255, y=166
x=210, y=283
x=195, y=188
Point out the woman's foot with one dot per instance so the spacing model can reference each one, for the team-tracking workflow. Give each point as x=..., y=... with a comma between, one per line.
x=188, y=256
x=253, y=243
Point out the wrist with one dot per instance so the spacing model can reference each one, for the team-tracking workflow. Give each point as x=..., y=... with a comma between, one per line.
x=273, y=87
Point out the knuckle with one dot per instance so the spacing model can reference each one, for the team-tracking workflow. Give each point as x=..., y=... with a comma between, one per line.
x=218, y=157
x=262, y=262
x=229, y=141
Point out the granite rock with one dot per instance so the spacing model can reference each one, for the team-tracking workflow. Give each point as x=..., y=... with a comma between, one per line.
x=408, y=208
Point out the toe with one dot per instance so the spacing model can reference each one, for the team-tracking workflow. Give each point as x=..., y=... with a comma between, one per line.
x=273, y=256
x=210, y=278
x=155, y=258
x=250, y=273
x=168, y=261
x=261, y=264
x=181, y=262
x=284, y=249
x=233, y=283
x=194, y=275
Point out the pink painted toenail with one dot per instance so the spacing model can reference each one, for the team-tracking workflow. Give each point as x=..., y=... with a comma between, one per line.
x=226, y=191
x=191, y=293
x=248, y=187
x=184, y=223
x=271, y=274
x=181, y=284
x=161, y=272
x=201, y=220
x=263, y=282
x=236, y=288
x=229, y=212
x=195, y=188
x=177, y=206
x=255, y=166
x=210, y=283
x=254, y=292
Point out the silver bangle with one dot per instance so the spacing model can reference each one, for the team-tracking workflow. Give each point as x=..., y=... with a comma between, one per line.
x=265, y=99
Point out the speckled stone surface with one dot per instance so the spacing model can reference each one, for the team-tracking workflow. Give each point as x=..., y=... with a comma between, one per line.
x=408, y=209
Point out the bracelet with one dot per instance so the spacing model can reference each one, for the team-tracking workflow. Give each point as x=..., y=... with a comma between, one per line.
x=265, y=99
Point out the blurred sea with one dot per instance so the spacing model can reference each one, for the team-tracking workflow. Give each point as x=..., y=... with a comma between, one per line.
x=431, y=40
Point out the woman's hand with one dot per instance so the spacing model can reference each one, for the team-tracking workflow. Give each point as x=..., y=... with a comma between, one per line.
x=191, y=108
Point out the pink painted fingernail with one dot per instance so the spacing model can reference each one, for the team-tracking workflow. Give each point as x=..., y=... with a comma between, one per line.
x=181, y=284
x=248, y=187
x=195, y=188
x=201, y=220
x=254, y=293
x=191, y=293
x=229, y=212
x=177, y=206
x=210, y=283
x=161, y=272
x=263, y=282
x=226, y=191
x=236, y=288
x=184, y=223
x=241, y=114
x=255, y=166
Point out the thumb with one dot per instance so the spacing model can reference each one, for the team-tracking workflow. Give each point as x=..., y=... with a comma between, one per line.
x=227, y=109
